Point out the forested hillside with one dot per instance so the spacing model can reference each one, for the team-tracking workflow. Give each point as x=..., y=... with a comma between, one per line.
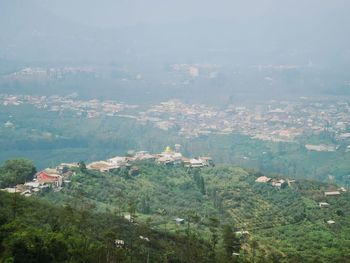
x=277, y=224
x=173, y=214
x=32, y=230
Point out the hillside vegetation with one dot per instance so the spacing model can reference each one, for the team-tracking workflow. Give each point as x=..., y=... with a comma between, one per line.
x=32, y=230
x=283, y=224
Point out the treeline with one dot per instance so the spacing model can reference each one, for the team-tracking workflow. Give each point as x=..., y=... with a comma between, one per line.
x=16, y=171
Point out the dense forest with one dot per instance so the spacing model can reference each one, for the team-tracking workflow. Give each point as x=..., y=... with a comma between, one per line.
x=32, y=230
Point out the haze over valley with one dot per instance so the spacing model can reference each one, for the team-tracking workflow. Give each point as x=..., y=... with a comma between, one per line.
x=174, y=131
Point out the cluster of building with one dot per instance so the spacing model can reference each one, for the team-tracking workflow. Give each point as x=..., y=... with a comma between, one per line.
x=331, y=194
x=56, y=178
x=282, y=121
x=52, y=178
x=335, y=193
x=274, y=121
x=37, y=73
x=90, y=108
x=278, y=183
x=196, y=70
x=168, y=157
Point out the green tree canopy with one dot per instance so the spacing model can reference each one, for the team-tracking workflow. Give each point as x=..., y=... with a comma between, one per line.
x=16, y=171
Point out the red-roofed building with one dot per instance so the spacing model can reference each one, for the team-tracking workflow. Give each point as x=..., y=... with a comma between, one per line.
x=45, y=178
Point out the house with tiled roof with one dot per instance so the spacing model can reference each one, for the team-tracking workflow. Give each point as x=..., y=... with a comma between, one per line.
x=44, y=177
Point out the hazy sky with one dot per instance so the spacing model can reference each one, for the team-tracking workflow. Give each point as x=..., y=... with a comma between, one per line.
x=126, y=12
x=273, y=28
x=149, y=34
